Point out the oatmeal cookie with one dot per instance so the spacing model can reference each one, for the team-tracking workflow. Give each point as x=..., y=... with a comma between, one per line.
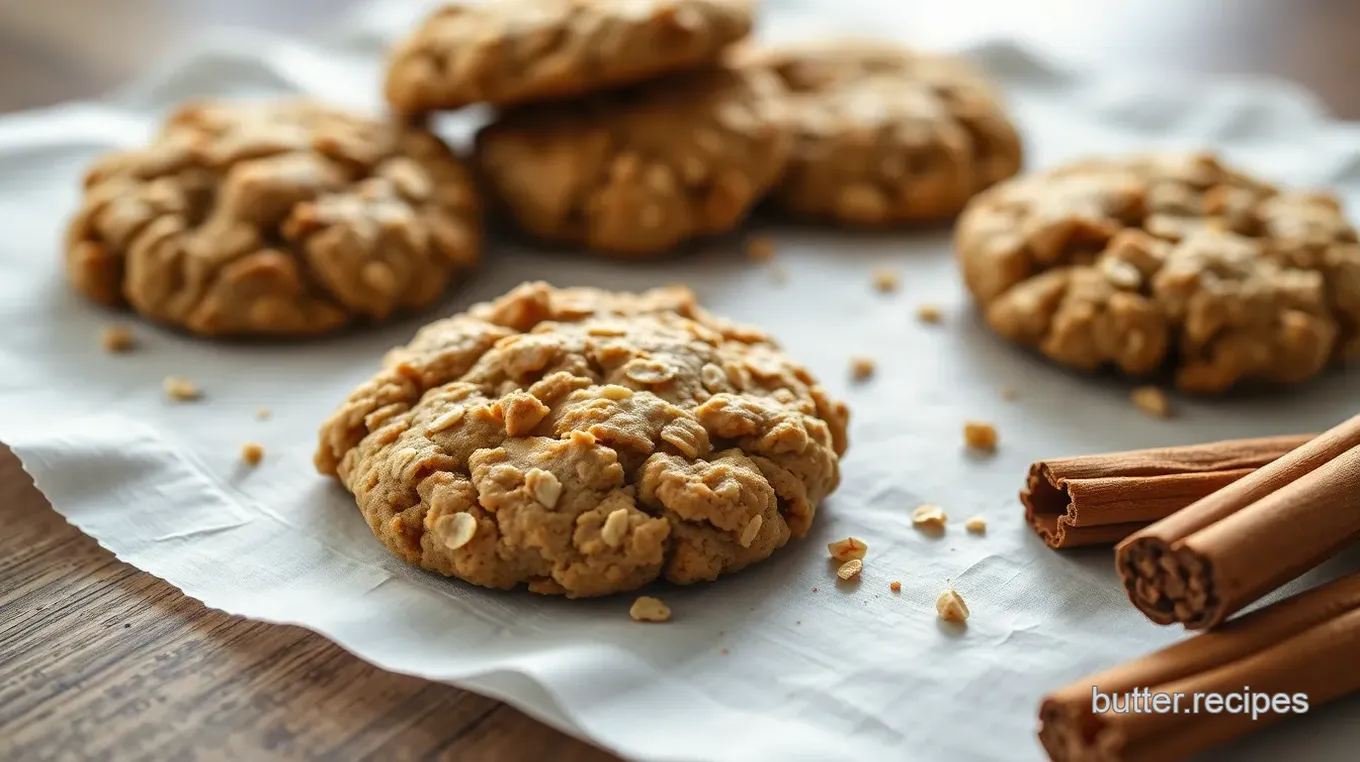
x=884, y=135
x=516, y=51
x=638, y=171
x=279, y=218
x=584, y=442
x=1166, y=262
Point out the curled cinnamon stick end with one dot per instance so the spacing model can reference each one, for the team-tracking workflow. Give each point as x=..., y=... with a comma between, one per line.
x=1203, y=564
x=1101, y=499
x=1308, y=644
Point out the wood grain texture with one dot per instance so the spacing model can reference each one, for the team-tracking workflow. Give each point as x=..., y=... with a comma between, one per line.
x=99, y=661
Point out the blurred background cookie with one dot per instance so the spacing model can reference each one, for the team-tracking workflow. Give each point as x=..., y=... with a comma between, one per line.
x=585, y=442
x=1149, y=263
x=634, y=172
x=274, y=218
x=515, y=51
x=885, y=135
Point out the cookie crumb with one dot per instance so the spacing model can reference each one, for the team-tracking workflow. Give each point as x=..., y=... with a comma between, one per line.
x=814, y=589
x=759, y=249
x=723, y=651
x=1152, y=401
x=252, y=453
x=929, y=313
x=885, y=280
x=1009, y=394
x=116, y=339
x=928, y=516
x=181, y=389
x=895, y=586
x=861, y=368
x=976, y=525
x=850, y=569
x=649, y=609
x=950, y=606
x=980, y=435
x=848, y=549
x=263, y=414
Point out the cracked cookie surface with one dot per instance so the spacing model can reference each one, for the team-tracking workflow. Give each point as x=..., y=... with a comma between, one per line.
x=1166, y=262
x=885, y=135
x=517, y=51
x=283, y=218
x=636, y=172
x=583, y=442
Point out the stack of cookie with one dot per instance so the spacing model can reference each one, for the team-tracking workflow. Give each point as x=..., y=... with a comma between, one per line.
x=630, y=127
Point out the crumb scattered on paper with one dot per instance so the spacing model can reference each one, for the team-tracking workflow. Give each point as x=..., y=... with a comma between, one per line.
x=117, y=338
x=895, y=586
x=976, y=525
x=848, y=549
x=886, y=280
x=862, y=368
x=181, y=389
x=1152, y=401
x=850, y=569
x=649, y=609
x=252, y=453
x=928, y=516
x=929, y=313
x=759, y=249
x=263, y=413
x=980, y=436
x=950, y=606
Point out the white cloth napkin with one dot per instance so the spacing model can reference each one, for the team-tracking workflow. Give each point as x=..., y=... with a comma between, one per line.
x=775, y=663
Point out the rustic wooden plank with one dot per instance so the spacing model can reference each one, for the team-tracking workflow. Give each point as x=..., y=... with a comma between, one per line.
x=99, y=661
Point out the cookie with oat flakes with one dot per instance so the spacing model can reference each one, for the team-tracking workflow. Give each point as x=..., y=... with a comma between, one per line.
x=518, y=51
x=885, y=135
x=636, y=172
x=1166, y=262
x=583, y=442
x=281, y=218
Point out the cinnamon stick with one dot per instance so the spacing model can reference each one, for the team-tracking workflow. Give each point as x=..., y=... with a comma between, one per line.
x=1101, y=499
x=1206, y=562
x=1307, y=645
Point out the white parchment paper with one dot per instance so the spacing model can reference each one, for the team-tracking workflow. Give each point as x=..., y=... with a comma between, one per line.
x=845, y=672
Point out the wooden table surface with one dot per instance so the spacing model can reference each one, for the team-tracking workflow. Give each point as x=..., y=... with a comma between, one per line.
x=99, y=661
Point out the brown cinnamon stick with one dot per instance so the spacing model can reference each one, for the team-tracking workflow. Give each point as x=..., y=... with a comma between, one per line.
x=1307, y=645
x=1101, y=499
x=1209, y=560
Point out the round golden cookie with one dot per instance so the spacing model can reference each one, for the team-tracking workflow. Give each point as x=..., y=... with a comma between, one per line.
x=884, y=135
x=282, y=218
x=585, y=442
x=635, y=172
x=1167, y=262
x=515, y=51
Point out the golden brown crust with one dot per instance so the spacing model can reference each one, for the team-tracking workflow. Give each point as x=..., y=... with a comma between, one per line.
x=1154, y=262
x=885, y=135
x=636, y=172
x=518, y=51
x=589, y=442
x=277, y=218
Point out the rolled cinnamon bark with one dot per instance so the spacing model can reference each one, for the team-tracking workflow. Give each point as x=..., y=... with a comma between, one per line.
x=1101, y=499
x=1209, y=560
x=1308, y=644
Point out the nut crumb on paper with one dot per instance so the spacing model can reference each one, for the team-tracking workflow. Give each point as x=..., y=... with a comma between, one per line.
x=1152, y=401
x=116, y=339
x=649, y=609
x=980, y=435
x=759, y=249
x=950, y=606
x=848, y=549
x=181, y=389
x=850, y=569
x=252, y=453
x=895, y=586
x=929, y=313
x=862, y=368
x=886, y=280
x=930, y=517
x=976, y=525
